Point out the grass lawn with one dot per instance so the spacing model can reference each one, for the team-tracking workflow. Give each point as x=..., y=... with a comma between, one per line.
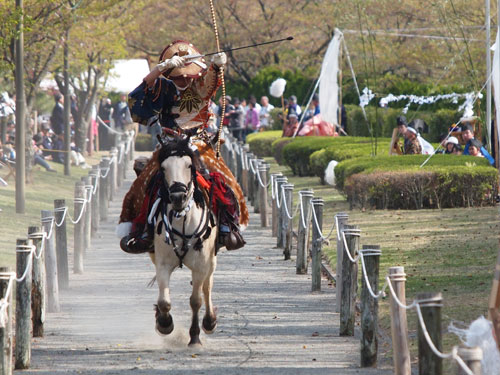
x=452, y=251
x=40, y=195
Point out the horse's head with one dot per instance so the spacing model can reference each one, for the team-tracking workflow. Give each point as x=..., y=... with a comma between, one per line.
x=179, y=163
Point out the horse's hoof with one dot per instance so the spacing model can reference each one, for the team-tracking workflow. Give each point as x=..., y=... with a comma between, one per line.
x=164, y=325
x=209, y=325
x=195, y=343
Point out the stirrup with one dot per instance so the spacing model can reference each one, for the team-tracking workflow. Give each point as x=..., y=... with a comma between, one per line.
x=133, y=245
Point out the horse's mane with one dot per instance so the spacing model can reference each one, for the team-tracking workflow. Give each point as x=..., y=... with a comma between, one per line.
x=181, y=147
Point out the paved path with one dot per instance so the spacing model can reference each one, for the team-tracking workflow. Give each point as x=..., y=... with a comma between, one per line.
x=268, y=320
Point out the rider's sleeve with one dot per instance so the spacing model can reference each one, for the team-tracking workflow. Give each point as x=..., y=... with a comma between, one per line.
x=145, y=103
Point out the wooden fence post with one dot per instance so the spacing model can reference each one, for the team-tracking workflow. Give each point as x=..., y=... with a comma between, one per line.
x=256, y=186
x=250, y=159
x=317, y=243
x=103, y=189
x=113, y=172
x=369, y=306
x=239, y=163
x=274, y=208
x=119, y=165
x=280, y=181
x=87, y=215
x=244, y=171
x=430, y=306
x=38, y=283
x=349, y=281
x=399, y=323
x=51, y=270
x=341, y=220
x=23, y=305
x=264, y=168
x=472, y=358
x=287, y=222
x=131, y=149
x=95, y=173
x=6, y=331
x=126, y=157
x=60, y=216
x=305, y=197
x=79, y=214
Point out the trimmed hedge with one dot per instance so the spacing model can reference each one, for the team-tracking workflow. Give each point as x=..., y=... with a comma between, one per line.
x=347, y=168
x=415, y=188
x=261, y=143
x=277, y=149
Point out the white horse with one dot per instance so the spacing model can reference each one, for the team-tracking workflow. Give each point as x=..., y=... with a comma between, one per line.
x=185, y=233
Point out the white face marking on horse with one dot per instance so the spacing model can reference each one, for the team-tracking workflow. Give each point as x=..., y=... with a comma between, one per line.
x=177, y=169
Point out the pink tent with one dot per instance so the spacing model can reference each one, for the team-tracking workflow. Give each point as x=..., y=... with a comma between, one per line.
x=316, y=126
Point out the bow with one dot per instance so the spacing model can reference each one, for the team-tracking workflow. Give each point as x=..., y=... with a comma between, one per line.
x=221, y=77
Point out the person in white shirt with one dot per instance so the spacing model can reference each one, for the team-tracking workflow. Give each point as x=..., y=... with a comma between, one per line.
x=265, y=113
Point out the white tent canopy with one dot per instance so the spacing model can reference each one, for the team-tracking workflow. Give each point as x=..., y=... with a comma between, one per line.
x=126, y=75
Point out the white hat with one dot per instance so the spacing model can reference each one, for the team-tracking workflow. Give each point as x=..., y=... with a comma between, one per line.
x=453, y=140
x=410, y=129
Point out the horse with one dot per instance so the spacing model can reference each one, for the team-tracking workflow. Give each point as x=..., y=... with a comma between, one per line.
x=185, y=234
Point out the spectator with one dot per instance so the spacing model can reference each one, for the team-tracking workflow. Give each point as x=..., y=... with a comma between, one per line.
x=252, y=122
x=475, y=148
x=121, y=113
x=58, y=154
x=237, y=120
x=291, y=125
x=57, y=118
x=293, y=107
x=74, y=106
x=106, y=116
x=468, y=136
x=457, y=150
x=228, y=108
x=38, y=157
x=309, y=112
x=252, y=99
x=315, y=101
x=265, y=113
x=412, y=145
x=450, y=144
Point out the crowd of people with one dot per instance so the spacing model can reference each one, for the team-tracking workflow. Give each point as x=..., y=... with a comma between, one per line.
x=415, y=144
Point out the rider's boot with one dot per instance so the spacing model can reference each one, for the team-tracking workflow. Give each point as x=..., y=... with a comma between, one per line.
x=138, y=242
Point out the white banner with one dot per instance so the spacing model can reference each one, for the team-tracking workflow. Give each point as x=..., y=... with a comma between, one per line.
x=328, y=85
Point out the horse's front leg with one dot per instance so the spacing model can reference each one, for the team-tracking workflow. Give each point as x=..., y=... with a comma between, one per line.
x=195, y=302
x=164, y=321
x=210, y=319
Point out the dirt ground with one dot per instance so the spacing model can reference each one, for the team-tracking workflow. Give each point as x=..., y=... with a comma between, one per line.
x=269, y=322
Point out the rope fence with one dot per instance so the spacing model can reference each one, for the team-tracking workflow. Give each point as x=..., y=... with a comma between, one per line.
x=256, y=183
x=51, y=240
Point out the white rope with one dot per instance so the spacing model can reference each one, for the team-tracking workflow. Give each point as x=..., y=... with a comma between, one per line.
x=52, y=220
x=346, y=248
x=302, y=218
x=26, y=248
x=322, y=237
x=243, y=161
x=105, y=173
x=82, y=201
x=4, y=301
x=252, y=166
x=64, y=210
x=88, y=192
x=283, y=199
x=371, y=252
x=108, y=127
x=260, y=178
x=43, y=237
x=121, y=152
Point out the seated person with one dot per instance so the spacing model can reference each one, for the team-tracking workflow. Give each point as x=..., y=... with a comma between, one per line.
x=291, y=125
x=475, y=148
x=450, y=144
x=468, y=136
x=412, y=145
x=38, y=157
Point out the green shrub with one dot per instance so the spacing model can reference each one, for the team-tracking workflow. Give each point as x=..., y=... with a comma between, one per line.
x=350, y=167
x=261, y=143
x=143, y=142
x=415, y=188
x=277, y=149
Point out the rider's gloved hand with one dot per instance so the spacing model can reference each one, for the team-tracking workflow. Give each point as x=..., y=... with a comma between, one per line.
x=174, y=62
x=219, y=59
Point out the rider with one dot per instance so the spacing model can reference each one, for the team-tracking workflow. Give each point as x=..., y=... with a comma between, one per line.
x=179, y=103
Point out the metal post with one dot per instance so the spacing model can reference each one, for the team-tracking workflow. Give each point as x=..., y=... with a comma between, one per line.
x=305, y=197
x=349, y=281
x=287, y=222
x=23, y=305
x=60, y=216
x=38, y=284
x=369, y=306
x=430, y=306
x=341, y=220
x=317, y=242
x=399, y=323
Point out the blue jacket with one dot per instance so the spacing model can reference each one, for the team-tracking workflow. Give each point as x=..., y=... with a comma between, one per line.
x=485, y=153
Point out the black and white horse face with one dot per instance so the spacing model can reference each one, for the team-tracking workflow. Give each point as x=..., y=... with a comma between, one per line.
x=178, y=179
